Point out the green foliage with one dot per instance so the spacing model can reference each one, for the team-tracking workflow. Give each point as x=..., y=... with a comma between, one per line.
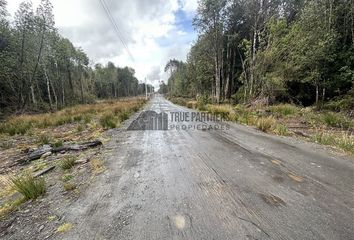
x=284, y=109
x=15, y=127
x=44, y=139
x=28, y=186
x=58, y=143
x=336, y=120
x=124, y=115
x=67, y=177
x=300, y=52
x=281, y=130
x=202, y=102
x=344, y=142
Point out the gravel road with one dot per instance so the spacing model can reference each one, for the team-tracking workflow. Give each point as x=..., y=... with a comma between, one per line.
x=235, y=183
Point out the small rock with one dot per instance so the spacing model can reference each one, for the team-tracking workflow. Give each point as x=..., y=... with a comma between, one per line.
x=47, y=154
x=40, y=228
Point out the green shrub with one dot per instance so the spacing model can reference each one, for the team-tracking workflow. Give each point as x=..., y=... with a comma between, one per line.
x=108, y=121
x=61, y=120
x=87, y=118
x=67, y=163
x=77, y=118
x=44, y=139
x=284, y=110
x=15, y=127
x=124, y=116
x=28, y=186
x=344, y=142
x=336, y=120
x=202, y=102
x=281, y=130
x=58, y=143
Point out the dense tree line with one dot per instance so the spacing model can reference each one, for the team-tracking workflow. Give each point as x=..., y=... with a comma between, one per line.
x=300, y=51
x=40, y=69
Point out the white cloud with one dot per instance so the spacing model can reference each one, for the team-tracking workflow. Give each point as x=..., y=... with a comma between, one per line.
x=148, y=27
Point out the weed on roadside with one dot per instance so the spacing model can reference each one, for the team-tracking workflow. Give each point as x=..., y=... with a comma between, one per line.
x=69, y=186
x=67, y=163
x=265, y=124
x=64, y=228
x=108, y=121
x=97, y=165
x=28, y=186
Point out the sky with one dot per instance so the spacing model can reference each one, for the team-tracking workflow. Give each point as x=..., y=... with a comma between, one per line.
x=154, y=31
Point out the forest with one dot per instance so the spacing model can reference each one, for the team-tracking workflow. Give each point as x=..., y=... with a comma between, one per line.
x=296, y=51
x=41, y=70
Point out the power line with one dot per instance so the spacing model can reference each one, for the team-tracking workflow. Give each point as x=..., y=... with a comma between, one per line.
x=115, y=27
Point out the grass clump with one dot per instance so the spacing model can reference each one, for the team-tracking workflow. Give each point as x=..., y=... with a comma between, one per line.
x=67, y=163
x=124, y=115
x=67, y=177
x=69, y=186
x=225, y=111
x=64, y=227
x=80, y=128
x=28, y=186
x=192, y=104
x=265, y=124
x=284, y=110
x=336, y=120
x=97, y=165
x=9, y=207
x=202, y=102
x=281, y=130
x=44, y=139
x=15, y=126
x=345, y=141
x=58, y=143
x=108, y=121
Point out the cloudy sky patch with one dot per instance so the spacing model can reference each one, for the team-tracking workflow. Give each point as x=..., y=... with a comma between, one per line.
x=154, y=31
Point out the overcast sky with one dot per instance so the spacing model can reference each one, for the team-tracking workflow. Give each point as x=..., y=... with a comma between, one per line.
x=154, y=30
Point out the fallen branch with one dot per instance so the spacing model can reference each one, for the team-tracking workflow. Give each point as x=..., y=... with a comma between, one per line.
x=77, y=147
x=44, y=171
x=38, y=153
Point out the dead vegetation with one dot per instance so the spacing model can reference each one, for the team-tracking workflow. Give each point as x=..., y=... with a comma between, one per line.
x=50, y=156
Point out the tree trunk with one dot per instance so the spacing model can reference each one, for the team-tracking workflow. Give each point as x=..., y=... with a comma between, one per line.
x=253, y=60
x=48, y=87
x=317, y=94
x=33, y=97
x=82, y=88
x=228, y=71
x=36, y=66
x=62, y=92
x=217, y=80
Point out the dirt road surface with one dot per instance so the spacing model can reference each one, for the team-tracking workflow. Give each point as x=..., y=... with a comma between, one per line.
x=237, y=183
